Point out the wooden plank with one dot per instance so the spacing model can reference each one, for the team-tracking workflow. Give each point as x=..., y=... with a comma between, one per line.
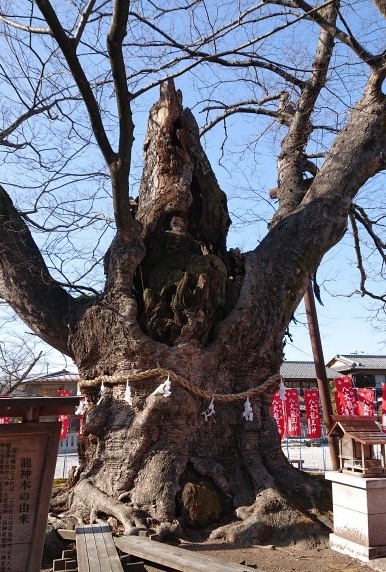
x=132, y=566
x=96, y=549
x=58, y=565
x=81, y=551
x=66, y=533
x=101, y=550
x=111, y=551
x=174, y=557
x=69, y=554
x=92, y=551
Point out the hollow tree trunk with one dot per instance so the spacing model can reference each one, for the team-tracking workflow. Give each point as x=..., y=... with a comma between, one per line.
x=204, y=318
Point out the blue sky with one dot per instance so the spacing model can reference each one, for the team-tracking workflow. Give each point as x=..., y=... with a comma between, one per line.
x=344, y=329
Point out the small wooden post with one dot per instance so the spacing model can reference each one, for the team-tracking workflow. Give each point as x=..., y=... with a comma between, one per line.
x=321, y=376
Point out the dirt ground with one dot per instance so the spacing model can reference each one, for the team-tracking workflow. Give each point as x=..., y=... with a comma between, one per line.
x=269, y=558
x=278, y=559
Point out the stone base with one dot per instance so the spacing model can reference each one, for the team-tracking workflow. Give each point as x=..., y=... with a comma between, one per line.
x=358, y=551
x=359, y=508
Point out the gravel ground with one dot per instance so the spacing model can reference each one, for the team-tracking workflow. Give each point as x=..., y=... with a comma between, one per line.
x=315, y=457
x=64, y=464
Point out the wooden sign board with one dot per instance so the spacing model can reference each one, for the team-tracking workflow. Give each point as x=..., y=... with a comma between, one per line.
x=28, y=453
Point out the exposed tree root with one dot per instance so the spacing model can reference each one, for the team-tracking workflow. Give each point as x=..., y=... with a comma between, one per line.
x=271, y=519
x=88, y=503
x=86, y=495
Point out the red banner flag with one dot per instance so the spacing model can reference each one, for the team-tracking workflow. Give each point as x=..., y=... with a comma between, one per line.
x=63, y=418
x=345, y=398
x=292, y=413
x=366, y=401
x=64, y=429
x=278, y=413
x=338, y=403
x=384, y=407
x=311, y=400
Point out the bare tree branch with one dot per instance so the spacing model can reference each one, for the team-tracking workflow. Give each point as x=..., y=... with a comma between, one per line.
x=24, y=375
x=68, y=48
x=83, y=21
x=330, y=28
x=358, y=214
x=291, y=162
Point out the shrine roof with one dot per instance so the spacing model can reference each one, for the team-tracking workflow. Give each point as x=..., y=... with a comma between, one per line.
x=360, y=428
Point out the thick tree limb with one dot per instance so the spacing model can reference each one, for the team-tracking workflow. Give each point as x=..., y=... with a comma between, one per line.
x=292, y=161
x=126, y=250
x=304, y=235
x=25, y=282
x=121, y=167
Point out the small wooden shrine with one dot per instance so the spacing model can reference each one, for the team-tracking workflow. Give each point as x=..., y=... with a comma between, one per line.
x=361, y=445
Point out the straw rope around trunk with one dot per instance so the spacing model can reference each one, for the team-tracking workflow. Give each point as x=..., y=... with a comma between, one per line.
x=270, y=384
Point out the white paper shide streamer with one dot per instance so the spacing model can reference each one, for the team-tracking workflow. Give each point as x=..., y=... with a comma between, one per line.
x=248, y=412
x=82, y=407
x=164, y=389
x=210, y=411
x=102, y=393
x=127, y=397
x=282, y=389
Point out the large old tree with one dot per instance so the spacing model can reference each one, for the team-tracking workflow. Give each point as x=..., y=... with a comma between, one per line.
x=176, y=305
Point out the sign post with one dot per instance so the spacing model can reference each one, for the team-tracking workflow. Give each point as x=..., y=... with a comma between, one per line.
x=28, y=453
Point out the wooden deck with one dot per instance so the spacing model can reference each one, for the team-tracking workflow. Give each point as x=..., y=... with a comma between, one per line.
x=174, y=558
x=95, y=549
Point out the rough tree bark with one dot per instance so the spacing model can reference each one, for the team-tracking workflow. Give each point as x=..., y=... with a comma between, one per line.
x=159, y=463
x=177, y=304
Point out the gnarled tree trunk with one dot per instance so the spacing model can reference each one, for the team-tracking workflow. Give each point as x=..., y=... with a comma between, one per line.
x=179, y=307
x=168, y=462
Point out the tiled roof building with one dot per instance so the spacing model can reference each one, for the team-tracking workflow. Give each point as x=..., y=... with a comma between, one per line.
x=367, y=370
